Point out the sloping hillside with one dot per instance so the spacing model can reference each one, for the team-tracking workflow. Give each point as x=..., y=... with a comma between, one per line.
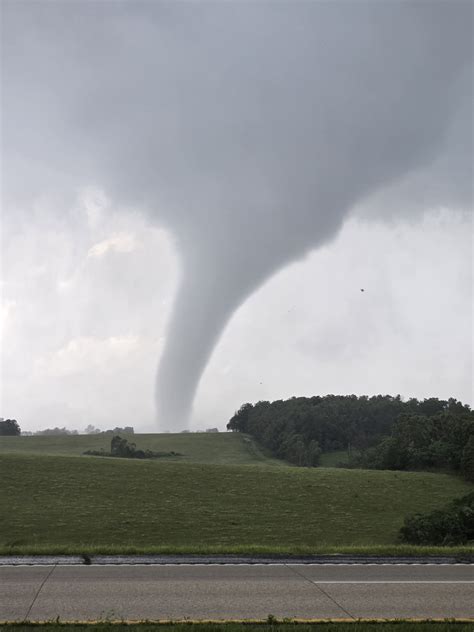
x=219, y=447
x=89, y=502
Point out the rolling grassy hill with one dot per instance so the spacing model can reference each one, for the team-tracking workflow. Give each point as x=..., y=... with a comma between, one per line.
x=61, y=503
x=229, y=448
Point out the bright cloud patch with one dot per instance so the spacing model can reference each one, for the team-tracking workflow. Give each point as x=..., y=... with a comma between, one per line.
x=87, y=353
x=118, y=242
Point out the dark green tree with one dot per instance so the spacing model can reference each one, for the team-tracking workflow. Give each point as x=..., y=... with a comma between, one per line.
x=239, y=422
x=10, y=427
x=121, y=447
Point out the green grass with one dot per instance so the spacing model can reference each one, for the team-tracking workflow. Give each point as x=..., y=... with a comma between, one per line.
x=250, y=550
x=334, y=459
x=222, y=447
x=63, y=504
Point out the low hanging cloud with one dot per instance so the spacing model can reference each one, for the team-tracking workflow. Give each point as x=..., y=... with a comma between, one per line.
x=249, y=130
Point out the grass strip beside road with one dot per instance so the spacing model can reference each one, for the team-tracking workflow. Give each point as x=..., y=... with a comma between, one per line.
x=335, y=626
x=460, y=553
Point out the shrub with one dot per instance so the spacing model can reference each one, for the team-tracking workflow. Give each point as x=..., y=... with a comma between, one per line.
x=122, y=448
x=452, y=525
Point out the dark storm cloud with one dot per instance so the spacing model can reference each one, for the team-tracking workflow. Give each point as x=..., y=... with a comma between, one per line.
x=249, y=129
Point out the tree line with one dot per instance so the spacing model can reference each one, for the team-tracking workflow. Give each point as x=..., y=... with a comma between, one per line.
x=377, y=432
x=11, y=427
x=421, y=442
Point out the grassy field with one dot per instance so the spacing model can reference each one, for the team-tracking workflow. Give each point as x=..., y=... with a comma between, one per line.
x=64, y=504
x=334, y=459
x=222, y=447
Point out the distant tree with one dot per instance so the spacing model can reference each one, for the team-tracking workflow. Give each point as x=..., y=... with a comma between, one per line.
x=50, y=432
x=239, y=422
x=212, y=429
x=121, y=447
x=10, y=427
x=91, y=430
x=390, y=454
x=313, y=453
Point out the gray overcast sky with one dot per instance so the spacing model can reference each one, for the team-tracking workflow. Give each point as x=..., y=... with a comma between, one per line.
x=254, y=164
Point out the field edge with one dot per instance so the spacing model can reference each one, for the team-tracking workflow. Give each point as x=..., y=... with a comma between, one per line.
x=271, y=624
x=459, y=552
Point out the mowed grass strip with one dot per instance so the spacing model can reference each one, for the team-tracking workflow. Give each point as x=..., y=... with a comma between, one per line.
x=100, y=502
x=218, y=447
x=355, y=626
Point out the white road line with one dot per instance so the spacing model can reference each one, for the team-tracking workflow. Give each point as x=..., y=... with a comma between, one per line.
x=399, y=564
x=393, y=581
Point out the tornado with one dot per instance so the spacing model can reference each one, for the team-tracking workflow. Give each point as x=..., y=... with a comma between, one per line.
x=213, y=285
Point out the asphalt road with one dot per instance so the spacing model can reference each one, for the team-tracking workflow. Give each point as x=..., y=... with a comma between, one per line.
x=84, y=593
